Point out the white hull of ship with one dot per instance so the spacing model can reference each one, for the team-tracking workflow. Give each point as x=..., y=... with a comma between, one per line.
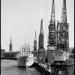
x=30, y=61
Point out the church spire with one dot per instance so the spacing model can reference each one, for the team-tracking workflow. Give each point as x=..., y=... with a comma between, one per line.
x=35, y=36
x=53, y=13
x=41, y=36
x=64, y=12
x=10, y=45
x=35, y=42
x=10, y=40
x=41, y=28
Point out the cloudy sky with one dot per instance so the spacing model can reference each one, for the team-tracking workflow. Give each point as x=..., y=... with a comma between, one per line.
x=20, y=19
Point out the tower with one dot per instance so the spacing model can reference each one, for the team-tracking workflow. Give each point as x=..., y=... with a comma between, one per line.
x=10, y=45
x=41, y=50
x=35, y=43
x=35, y=52
x=41, y=36
x=63, y=30
x=52, y=28
x=64, y=13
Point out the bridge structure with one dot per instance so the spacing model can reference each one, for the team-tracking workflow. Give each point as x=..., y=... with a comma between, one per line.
x=9, y=55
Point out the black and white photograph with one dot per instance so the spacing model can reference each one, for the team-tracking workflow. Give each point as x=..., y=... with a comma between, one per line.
x=37, y=37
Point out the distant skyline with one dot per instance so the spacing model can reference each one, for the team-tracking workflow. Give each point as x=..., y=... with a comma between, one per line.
x=20, y=19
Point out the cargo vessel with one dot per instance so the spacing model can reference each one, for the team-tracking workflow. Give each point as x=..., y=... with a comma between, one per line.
x=22, y=57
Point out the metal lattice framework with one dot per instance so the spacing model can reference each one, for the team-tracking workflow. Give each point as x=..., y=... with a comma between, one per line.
x=52, y=28
x=63, y=30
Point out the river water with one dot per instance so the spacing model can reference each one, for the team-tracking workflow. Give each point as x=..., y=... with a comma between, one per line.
x=9, y=67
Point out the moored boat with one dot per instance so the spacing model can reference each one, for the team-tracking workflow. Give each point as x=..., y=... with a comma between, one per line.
x=22, y=57
x=21, y=62
x=30, y=60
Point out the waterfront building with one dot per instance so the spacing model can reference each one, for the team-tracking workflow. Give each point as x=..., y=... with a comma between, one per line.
x=2, y=53
x=10, y=55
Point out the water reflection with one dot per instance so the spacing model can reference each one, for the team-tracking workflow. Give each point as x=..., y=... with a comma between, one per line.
x=9, y=67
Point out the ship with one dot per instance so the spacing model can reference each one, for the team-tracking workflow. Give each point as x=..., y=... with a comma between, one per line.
x=22, y=57
x=30, y=60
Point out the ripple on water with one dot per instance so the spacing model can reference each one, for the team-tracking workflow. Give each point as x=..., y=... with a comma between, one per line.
x=9, y=67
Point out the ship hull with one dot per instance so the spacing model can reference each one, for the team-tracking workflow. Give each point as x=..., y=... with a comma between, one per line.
x=21, y=62
x=29, y=62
